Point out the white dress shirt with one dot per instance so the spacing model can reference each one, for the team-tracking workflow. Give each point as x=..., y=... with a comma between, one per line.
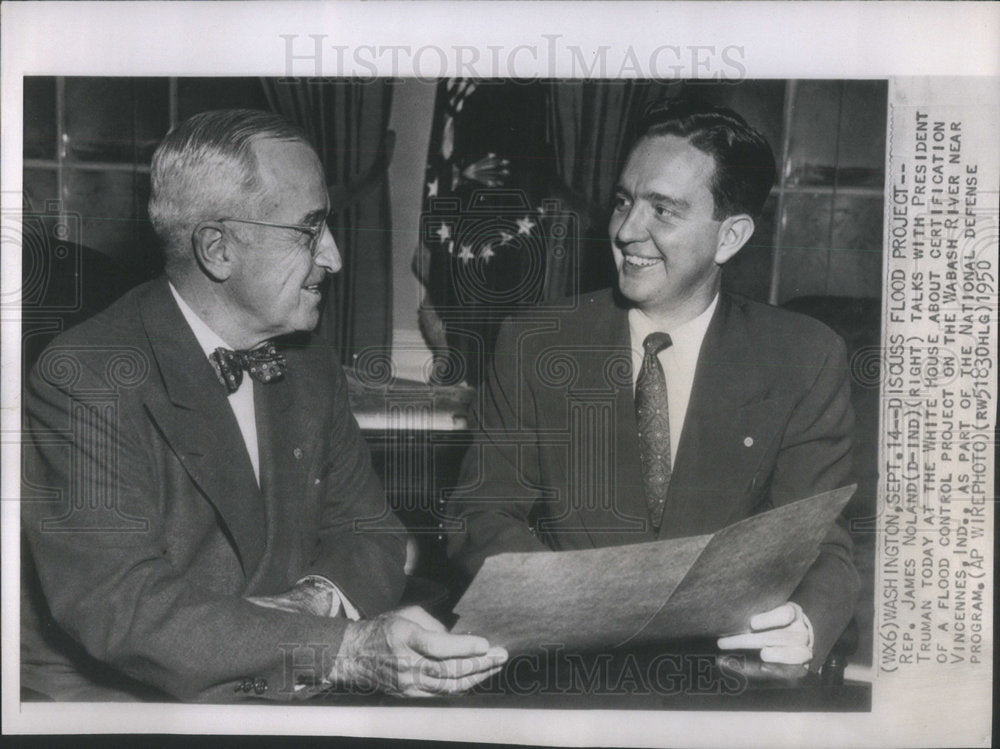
x=241, y=401
x=679, y=361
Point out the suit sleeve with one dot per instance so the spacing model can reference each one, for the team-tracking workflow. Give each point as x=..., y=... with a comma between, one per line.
x=499, y=479
x=815, y=457
x=358, y=534
x=93, y=516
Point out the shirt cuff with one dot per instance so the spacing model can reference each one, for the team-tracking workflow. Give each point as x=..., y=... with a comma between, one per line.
x=339, y=603
x=810, y=635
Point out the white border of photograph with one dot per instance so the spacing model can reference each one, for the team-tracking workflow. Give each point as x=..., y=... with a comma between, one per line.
x=835, y=40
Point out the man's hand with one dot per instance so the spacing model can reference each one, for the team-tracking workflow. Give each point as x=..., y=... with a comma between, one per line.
x=783, y=635
x=309, y=596
x=408, y=652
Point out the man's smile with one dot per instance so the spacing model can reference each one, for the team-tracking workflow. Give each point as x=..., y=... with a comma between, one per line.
x=637, y=261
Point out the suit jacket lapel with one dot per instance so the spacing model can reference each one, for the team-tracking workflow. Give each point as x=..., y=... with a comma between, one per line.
x=714, y=460
x=630, y=494
x=606, y=371
x=288, y=437
x=197, y=421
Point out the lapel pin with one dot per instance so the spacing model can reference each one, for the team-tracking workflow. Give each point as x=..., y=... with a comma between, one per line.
x=748, y=441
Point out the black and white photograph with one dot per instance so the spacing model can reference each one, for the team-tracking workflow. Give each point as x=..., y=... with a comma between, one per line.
x=429, y=391
x=512, y=222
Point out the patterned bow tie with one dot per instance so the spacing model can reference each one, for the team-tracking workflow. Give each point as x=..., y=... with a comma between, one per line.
x=264, y=364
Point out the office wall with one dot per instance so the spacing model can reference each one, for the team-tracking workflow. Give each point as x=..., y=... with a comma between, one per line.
x=88, y=143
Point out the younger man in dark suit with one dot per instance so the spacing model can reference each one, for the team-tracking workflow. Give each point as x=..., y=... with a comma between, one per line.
x=664, y=408
x=193, y=494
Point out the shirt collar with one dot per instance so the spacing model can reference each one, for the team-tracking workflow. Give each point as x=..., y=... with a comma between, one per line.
x=208, y=339
x=685, y=338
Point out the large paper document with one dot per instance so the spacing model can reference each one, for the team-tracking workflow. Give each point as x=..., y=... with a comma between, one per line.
x=639, y=593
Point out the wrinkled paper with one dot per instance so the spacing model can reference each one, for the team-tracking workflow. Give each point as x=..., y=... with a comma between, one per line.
x=657, y=591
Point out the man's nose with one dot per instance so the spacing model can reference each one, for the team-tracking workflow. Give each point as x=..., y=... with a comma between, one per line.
x=327, y=254
x=632, y=228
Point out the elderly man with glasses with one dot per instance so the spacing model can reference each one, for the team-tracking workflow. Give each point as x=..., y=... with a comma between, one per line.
x=193, y=489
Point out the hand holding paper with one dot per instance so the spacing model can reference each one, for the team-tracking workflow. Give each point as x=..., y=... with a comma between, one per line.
x=783, y=635
x=660, y=591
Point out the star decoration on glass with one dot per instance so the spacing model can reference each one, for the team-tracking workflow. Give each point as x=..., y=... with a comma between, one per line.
x=444, y=232
x=506, y=237
x=466, y=253
x=432, y=188
x=486, y=252
x=525, y=225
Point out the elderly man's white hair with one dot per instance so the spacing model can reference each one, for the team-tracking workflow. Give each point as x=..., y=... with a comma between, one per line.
x=205, y=169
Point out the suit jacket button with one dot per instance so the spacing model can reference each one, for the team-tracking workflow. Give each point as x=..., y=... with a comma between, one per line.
x=260, y=686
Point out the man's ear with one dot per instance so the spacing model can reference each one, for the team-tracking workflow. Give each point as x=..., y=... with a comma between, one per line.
x=212, y=250
x=734, y=232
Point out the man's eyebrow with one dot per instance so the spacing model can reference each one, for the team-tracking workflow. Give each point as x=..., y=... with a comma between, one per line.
x=656, y=197
x=314, y=217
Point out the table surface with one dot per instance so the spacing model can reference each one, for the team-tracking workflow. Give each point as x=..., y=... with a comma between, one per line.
x=850, y=697
x=647, y=679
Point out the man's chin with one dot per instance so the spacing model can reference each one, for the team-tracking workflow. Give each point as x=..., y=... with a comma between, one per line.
x=305, y=322
x=310, y=324
x=632, y=290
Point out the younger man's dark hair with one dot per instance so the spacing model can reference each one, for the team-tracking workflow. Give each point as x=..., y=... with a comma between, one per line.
x=744, y=162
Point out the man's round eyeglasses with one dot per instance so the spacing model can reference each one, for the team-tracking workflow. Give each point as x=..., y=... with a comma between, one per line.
x=314, y=232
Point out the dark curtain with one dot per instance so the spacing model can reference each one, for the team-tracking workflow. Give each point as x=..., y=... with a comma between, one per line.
x=348, y=122
x=590, y=125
